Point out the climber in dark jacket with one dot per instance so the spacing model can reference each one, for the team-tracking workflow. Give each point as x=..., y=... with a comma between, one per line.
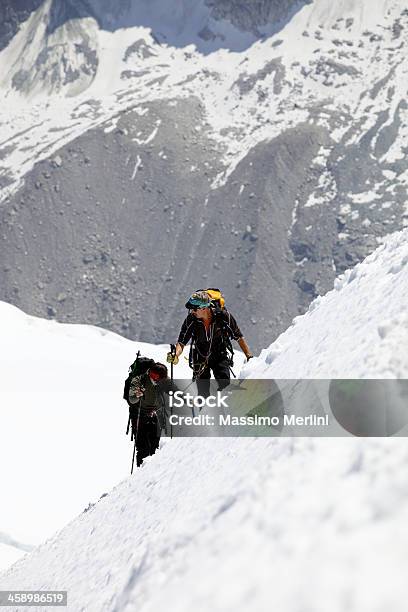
x=211, y=331
x=147, y=410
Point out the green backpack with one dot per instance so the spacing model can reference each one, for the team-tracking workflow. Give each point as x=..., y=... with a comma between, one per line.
x=137, y=368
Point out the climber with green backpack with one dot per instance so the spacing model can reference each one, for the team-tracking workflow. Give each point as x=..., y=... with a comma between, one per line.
x=144, y=391
x=210, y=327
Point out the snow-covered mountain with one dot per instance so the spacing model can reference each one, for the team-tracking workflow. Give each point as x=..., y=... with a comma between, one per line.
x=179, y=533
x=263, y=143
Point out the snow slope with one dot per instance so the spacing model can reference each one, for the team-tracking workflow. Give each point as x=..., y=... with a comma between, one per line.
x=357, y=330
x=238, y=524
x=63, y=421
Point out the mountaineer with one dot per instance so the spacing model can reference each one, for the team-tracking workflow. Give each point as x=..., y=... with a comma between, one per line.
x=144, y=394
x=210, y=327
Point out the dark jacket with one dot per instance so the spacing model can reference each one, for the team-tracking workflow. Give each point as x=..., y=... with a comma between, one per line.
x=149, y=400
x=211, y=341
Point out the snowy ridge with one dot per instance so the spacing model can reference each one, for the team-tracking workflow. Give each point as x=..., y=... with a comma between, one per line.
x=364, y=318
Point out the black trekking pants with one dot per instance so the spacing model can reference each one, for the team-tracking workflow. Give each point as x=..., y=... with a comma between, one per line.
x=220, y=366
x=146, y=436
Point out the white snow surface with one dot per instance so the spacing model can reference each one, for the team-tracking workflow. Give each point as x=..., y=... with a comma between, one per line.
x=63, y=421
x=239, y=524
x=235, y=524
x=357, y=330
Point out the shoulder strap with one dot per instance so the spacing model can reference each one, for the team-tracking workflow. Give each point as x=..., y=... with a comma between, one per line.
x=224, y=317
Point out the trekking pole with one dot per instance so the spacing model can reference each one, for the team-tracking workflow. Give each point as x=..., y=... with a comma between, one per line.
x=133, y=458
x=127, y=389
x=173, y=353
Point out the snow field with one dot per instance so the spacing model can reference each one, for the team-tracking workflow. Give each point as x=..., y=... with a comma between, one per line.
x=239, y=524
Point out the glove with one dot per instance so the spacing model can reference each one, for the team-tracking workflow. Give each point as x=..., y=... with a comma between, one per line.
x=172, y=358
x=139, y=392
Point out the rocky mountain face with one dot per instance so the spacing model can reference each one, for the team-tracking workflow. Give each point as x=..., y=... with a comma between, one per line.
x=12, y=14
x=250, y=16
x=247, y=16
x=135, y=168
x=147, y=229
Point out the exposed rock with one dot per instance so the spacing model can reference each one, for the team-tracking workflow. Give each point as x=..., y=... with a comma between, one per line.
x=250, y=16
x=12, y=14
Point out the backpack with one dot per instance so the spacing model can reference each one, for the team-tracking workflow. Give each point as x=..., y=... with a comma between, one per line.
x=137, y=368
x=216, y=296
